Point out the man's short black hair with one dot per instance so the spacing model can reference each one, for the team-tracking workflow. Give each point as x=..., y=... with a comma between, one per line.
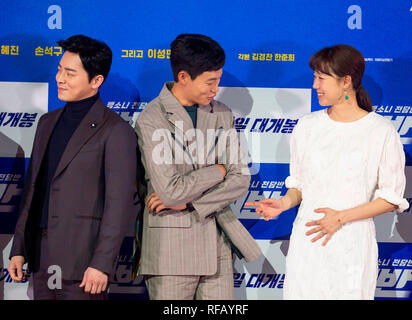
x=195, y=54
x=96, y=56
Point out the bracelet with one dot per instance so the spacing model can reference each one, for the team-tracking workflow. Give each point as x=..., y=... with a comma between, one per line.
x=340, y=222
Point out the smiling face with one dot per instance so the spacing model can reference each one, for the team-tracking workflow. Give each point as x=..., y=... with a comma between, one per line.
x=330, y=88
x=73, y=81
x=202, y=89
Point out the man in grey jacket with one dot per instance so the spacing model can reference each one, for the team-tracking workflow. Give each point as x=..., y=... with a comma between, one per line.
x=194, y=171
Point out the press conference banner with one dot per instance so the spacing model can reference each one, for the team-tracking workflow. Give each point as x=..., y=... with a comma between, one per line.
x=266, y=82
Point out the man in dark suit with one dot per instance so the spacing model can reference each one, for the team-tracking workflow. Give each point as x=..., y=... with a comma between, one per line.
x=80, y=186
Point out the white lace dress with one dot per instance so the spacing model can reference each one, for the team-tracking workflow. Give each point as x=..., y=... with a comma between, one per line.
x=340, y=165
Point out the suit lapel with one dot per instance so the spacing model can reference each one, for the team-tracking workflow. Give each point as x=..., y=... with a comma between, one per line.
x=178, y=119
x=174, y=112
x=44, y=136
x=180, y=122
x=89, y=126
x=206, y=119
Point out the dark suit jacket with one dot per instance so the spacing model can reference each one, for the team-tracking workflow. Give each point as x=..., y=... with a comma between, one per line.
x=92, y=194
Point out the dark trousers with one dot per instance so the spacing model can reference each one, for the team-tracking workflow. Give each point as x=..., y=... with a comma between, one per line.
x=47, y=286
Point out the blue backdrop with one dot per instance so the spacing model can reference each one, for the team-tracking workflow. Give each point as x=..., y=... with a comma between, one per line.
x=268, y=44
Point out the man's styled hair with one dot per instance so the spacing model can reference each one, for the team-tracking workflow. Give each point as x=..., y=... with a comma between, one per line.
x=96, y=56
x=195, y=54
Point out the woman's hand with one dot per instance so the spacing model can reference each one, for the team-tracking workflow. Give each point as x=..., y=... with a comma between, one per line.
x=268, y=208
x=327, y=226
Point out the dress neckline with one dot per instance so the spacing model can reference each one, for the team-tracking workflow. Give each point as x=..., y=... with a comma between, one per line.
x=325, y=112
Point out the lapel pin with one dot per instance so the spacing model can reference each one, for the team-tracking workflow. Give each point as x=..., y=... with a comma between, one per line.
x=93, y=125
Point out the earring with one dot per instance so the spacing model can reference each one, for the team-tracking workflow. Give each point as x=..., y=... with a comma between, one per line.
x=346, y=94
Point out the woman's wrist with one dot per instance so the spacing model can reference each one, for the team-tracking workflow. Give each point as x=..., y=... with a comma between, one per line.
x=343, y=217
x=340, y=221
x=286, y=203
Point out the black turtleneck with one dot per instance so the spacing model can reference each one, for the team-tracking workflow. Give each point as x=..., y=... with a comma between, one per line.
x=68, y=122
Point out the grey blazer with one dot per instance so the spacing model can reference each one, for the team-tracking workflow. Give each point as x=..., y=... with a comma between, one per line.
x=181, y=172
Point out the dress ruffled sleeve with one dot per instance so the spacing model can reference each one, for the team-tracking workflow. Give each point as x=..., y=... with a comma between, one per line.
x=391, y=174
x=294, y=180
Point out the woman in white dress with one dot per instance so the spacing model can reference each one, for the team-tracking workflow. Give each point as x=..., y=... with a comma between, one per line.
x=347, y=166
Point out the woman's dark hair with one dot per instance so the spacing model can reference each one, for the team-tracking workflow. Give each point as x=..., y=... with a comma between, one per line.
x=96, y=56
x=343, y=60
x=195, y=54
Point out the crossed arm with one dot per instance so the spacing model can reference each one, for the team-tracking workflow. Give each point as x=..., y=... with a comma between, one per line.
x=156, y=205
x=209, y=189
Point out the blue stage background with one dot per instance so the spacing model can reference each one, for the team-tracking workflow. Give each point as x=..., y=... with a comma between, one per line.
x=268, y=45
